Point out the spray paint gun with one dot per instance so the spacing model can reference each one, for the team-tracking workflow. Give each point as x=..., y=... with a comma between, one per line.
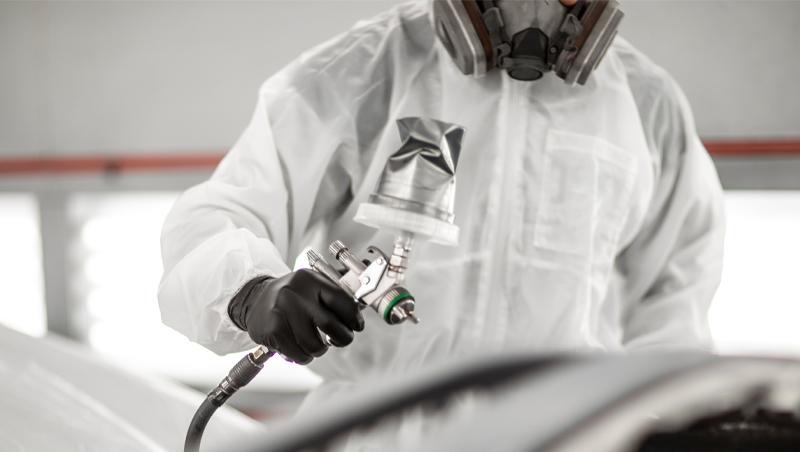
x=414, y=198
x=375, y=285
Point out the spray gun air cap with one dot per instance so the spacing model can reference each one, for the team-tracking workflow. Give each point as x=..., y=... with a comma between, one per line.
x=416, y=191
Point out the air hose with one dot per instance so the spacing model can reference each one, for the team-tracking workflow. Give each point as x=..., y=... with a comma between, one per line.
x=240, y=375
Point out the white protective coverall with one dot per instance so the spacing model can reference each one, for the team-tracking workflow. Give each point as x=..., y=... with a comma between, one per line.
x=591, y=217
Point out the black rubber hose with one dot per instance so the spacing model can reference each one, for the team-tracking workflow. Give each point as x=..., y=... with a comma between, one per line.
x=198, y=425
x=242, y=373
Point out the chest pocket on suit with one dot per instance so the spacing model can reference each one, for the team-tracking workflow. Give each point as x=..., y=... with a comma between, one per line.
x=585, y=194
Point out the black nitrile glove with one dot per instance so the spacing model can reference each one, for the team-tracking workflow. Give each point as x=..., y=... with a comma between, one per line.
x=284, y=314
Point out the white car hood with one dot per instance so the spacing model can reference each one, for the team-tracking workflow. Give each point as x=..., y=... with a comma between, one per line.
x=56, y=395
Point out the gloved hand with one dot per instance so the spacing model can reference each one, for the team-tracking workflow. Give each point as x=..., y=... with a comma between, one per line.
x=284, y=314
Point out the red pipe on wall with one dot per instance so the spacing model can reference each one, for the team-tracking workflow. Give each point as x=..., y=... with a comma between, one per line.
x=752, y=148
x=110, y=164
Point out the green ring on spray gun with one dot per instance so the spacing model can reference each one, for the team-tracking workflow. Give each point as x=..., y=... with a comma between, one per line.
x=403, y=295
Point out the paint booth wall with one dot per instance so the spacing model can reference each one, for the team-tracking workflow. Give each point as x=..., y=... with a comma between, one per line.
x=182, y=76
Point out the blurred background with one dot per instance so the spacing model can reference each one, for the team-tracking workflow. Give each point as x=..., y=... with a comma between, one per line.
x=108, y=110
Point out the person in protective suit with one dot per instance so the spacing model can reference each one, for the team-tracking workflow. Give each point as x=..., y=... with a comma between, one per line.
x=591, y=215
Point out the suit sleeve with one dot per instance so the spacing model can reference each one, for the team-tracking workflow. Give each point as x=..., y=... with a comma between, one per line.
x=671, y=270
x=249, y=218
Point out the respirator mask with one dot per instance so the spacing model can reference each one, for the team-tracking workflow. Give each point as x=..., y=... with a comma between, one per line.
x=527, y=37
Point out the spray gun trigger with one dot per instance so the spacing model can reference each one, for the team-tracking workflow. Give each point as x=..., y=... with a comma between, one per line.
x=375, y=250
x=371, y=277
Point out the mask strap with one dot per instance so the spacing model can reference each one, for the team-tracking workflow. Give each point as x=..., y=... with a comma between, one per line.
x=493, y=20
